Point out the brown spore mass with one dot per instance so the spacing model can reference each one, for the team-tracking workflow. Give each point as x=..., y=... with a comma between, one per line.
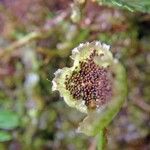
x=91, y=83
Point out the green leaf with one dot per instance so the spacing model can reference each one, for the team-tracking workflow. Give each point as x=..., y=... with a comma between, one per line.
x=4, y=136
x=8, y=119
x=131, y=5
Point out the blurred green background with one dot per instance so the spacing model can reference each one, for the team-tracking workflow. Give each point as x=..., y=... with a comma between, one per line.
x=36, y=38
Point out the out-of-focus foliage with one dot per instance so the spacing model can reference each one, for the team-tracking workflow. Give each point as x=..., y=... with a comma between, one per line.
x=36, y=38
x=8, y=120
x=4, y=136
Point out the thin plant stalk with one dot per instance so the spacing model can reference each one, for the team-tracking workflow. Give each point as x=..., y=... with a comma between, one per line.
x=101, y=140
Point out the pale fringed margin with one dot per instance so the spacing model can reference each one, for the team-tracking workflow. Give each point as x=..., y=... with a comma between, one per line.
x=98, y=119
x=79, y=53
